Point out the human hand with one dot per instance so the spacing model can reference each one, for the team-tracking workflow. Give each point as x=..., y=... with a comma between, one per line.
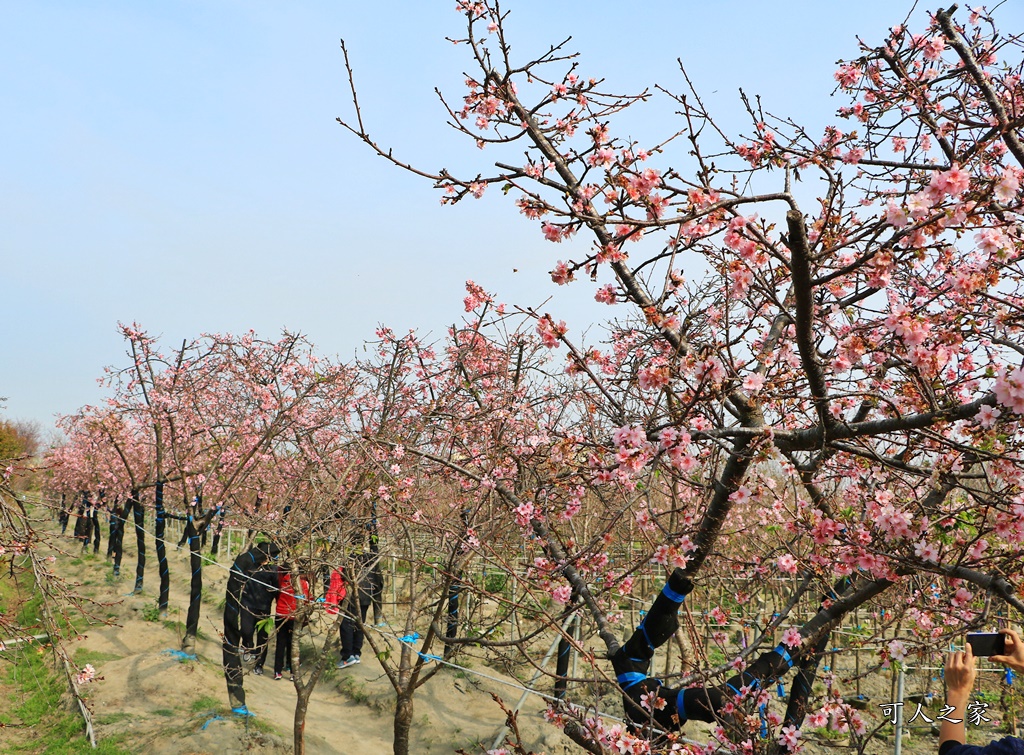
x=960, y=671
x=1013, y=655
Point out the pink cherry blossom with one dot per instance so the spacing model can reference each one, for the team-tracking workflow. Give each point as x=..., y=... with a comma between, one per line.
x=787, y=564
x=791, y=638
x=753, y=382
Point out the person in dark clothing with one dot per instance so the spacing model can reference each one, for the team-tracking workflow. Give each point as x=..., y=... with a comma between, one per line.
x=257, y=597
x=959, y=673
x=369, y=587
x=83, y=522
x=247, y=564
x=64, y=515
x=96, y=526
x=646, y=700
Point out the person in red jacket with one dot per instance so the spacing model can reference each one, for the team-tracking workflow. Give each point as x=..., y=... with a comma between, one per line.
x=292, y=591
x=335, y=592
x=334, y=596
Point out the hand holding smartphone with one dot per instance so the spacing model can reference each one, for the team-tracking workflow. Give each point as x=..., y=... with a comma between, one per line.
x=987, y=643
x=1013, y=653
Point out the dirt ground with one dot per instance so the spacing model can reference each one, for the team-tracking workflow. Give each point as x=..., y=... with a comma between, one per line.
x=170, y=706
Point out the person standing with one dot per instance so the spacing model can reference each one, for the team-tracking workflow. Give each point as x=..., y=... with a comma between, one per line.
x=99, y=506
x=334, y=594
x=65, y=513
x=293, y=588
x=83, y=522
x=247, y=564
x=257, y=597
x=369, y=587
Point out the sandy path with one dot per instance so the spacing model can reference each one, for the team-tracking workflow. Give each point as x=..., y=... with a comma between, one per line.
x=157, y=699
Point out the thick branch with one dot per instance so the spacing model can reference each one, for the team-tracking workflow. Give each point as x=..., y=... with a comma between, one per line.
x=971, y=64
x=804, y=299
x=993, y=583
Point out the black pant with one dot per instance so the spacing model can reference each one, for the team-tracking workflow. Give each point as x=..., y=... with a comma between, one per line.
x=352, y=634
x=232, y=654
x=262, y=646
x=254, y=637
x=283, y=648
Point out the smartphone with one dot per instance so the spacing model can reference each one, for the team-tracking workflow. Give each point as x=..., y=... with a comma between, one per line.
x=987, y=643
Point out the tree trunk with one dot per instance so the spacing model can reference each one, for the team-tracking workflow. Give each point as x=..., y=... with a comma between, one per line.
x=161, y=552
x=139, y=517
x=800, y=689
x=562, y=662
x=452, y=629
x=403, y=723
x=195, y=561
x=299, y=724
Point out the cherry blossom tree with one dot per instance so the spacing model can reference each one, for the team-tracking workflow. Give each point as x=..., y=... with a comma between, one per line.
x=845, y=368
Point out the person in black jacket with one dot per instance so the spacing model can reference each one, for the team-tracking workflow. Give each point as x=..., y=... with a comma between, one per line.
x=257, y=596
x=83, y=522
x=247, y=564
x=65, y=514
x=100, y=504
x=369, y=587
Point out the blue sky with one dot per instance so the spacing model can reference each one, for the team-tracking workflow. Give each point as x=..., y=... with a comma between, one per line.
x=178, y=163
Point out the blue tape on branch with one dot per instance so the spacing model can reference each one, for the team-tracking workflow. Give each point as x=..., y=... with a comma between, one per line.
x=672, y=595
x=643, y=630
x=764, y=720
x=1009, y=676
x=628, y=679
x=681, y=707
x=243, y=711
x=410, y=638
x=780, y=690
x=429, y=657
x=781, y=650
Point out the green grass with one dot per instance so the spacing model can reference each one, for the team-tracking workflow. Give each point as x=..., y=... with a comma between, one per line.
x=112, y=718
x=28, y=613
x=35, y=689
x=165, y=712
x=259, y=725
x=204, y=704
x=38, y=708
x=83, y=656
